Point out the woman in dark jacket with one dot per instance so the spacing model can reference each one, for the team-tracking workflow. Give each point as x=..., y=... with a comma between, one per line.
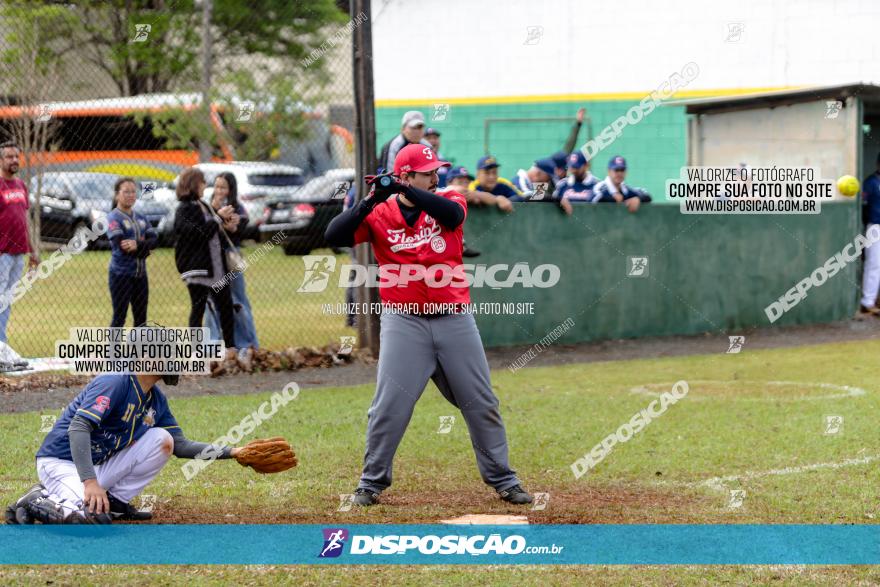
x=199, y=254
x=226, y=193
x=131, y=240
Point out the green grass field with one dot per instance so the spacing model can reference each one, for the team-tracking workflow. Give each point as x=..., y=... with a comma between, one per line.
x=77, y=294
x=758, y=420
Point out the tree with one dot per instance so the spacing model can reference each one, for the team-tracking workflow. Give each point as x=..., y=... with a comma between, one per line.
x=32, y=68
x=257, y=112
x=109, y=34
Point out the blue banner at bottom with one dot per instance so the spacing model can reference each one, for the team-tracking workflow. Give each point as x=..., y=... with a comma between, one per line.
x=442, y=544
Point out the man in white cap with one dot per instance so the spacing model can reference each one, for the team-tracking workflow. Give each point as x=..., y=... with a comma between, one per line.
x=412, y=130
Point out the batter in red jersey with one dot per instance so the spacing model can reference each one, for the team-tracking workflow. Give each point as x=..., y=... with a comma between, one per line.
x=417, y=240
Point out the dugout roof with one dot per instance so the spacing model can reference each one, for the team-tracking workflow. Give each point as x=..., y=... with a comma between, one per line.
x=867, y=92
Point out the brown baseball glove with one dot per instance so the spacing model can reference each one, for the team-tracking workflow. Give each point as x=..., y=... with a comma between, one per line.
x=267, y=455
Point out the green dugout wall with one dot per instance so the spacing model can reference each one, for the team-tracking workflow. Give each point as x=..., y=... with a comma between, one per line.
x=654, y=148
x=706, y=273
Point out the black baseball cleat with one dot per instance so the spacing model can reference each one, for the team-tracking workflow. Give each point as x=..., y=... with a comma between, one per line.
x=365, y=497
x=516, y=495
x=17, y=513
x=872, y=311
x=84, y=517
x=120, y=510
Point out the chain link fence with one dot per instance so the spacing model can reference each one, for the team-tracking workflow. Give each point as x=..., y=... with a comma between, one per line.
x=96, y=91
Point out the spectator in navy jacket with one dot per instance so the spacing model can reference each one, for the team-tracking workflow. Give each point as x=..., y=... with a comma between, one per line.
x=543, y=171
x=613, y=189
x=131, y=240
x=578, y=186
x=870, y=216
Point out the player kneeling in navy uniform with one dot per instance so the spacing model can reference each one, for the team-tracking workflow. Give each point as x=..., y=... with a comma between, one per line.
x=106, y=447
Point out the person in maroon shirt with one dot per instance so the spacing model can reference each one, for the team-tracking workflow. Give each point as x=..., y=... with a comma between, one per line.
x=14, y=237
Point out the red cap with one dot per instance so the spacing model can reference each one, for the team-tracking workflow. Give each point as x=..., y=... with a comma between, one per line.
x=417, y=157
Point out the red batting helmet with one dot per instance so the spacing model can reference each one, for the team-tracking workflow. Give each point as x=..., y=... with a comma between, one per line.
x=417, y=157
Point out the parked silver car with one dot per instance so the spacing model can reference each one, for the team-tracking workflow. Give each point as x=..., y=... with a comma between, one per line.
x=71, y=202
x=304, y=216
x=258, y=183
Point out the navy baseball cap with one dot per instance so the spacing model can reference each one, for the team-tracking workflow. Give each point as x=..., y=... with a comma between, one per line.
x=560, y=158
x=432, y=131
x=487, y=162
x=576, y=159
x=547, y=165
x=457, y=172
x=617, y=162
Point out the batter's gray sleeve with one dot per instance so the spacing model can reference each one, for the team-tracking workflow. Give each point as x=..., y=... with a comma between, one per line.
x=184, y=448
x=79, y=434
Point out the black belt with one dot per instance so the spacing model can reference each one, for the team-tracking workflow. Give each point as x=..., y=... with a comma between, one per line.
x=455, y=310
x=437, y=315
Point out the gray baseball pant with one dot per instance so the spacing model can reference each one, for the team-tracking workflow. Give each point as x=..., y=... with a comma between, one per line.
x=448, y=350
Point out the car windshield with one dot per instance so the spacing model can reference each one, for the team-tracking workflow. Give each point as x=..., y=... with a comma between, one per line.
x=275, y=179
x=317, y=186
x=93, y=187
x=327, y=186
x=51, y=185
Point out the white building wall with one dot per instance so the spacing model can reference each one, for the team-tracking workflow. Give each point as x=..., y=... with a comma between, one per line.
x=476, y=48
x=798, y=135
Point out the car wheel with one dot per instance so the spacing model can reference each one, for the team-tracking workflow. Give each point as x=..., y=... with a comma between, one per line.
x=296, y=249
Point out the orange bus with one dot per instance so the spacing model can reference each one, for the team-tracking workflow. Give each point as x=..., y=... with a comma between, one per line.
x=103, y=135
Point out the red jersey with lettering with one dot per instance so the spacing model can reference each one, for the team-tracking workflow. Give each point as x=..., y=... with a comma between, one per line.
x=423, y=245
x=13, y=217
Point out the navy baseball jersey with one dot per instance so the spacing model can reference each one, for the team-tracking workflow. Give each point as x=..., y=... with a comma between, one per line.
x=521, y=181
x=871, y=201
x=576, y=191
x=605, y=190
x=135, y=227
x=121, y=411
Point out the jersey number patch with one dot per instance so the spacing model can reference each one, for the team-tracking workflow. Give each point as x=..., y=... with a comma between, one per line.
x=128, y=412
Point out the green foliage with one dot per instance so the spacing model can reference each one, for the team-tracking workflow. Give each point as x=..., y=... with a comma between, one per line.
x=258, y=110
x=279, y=112
x=28, y=51
x=280, y=27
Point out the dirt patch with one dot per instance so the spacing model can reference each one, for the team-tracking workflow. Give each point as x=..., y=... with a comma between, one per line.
x=39, y=382
x=307, y=366
x=43, y=392
x=614, y=504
